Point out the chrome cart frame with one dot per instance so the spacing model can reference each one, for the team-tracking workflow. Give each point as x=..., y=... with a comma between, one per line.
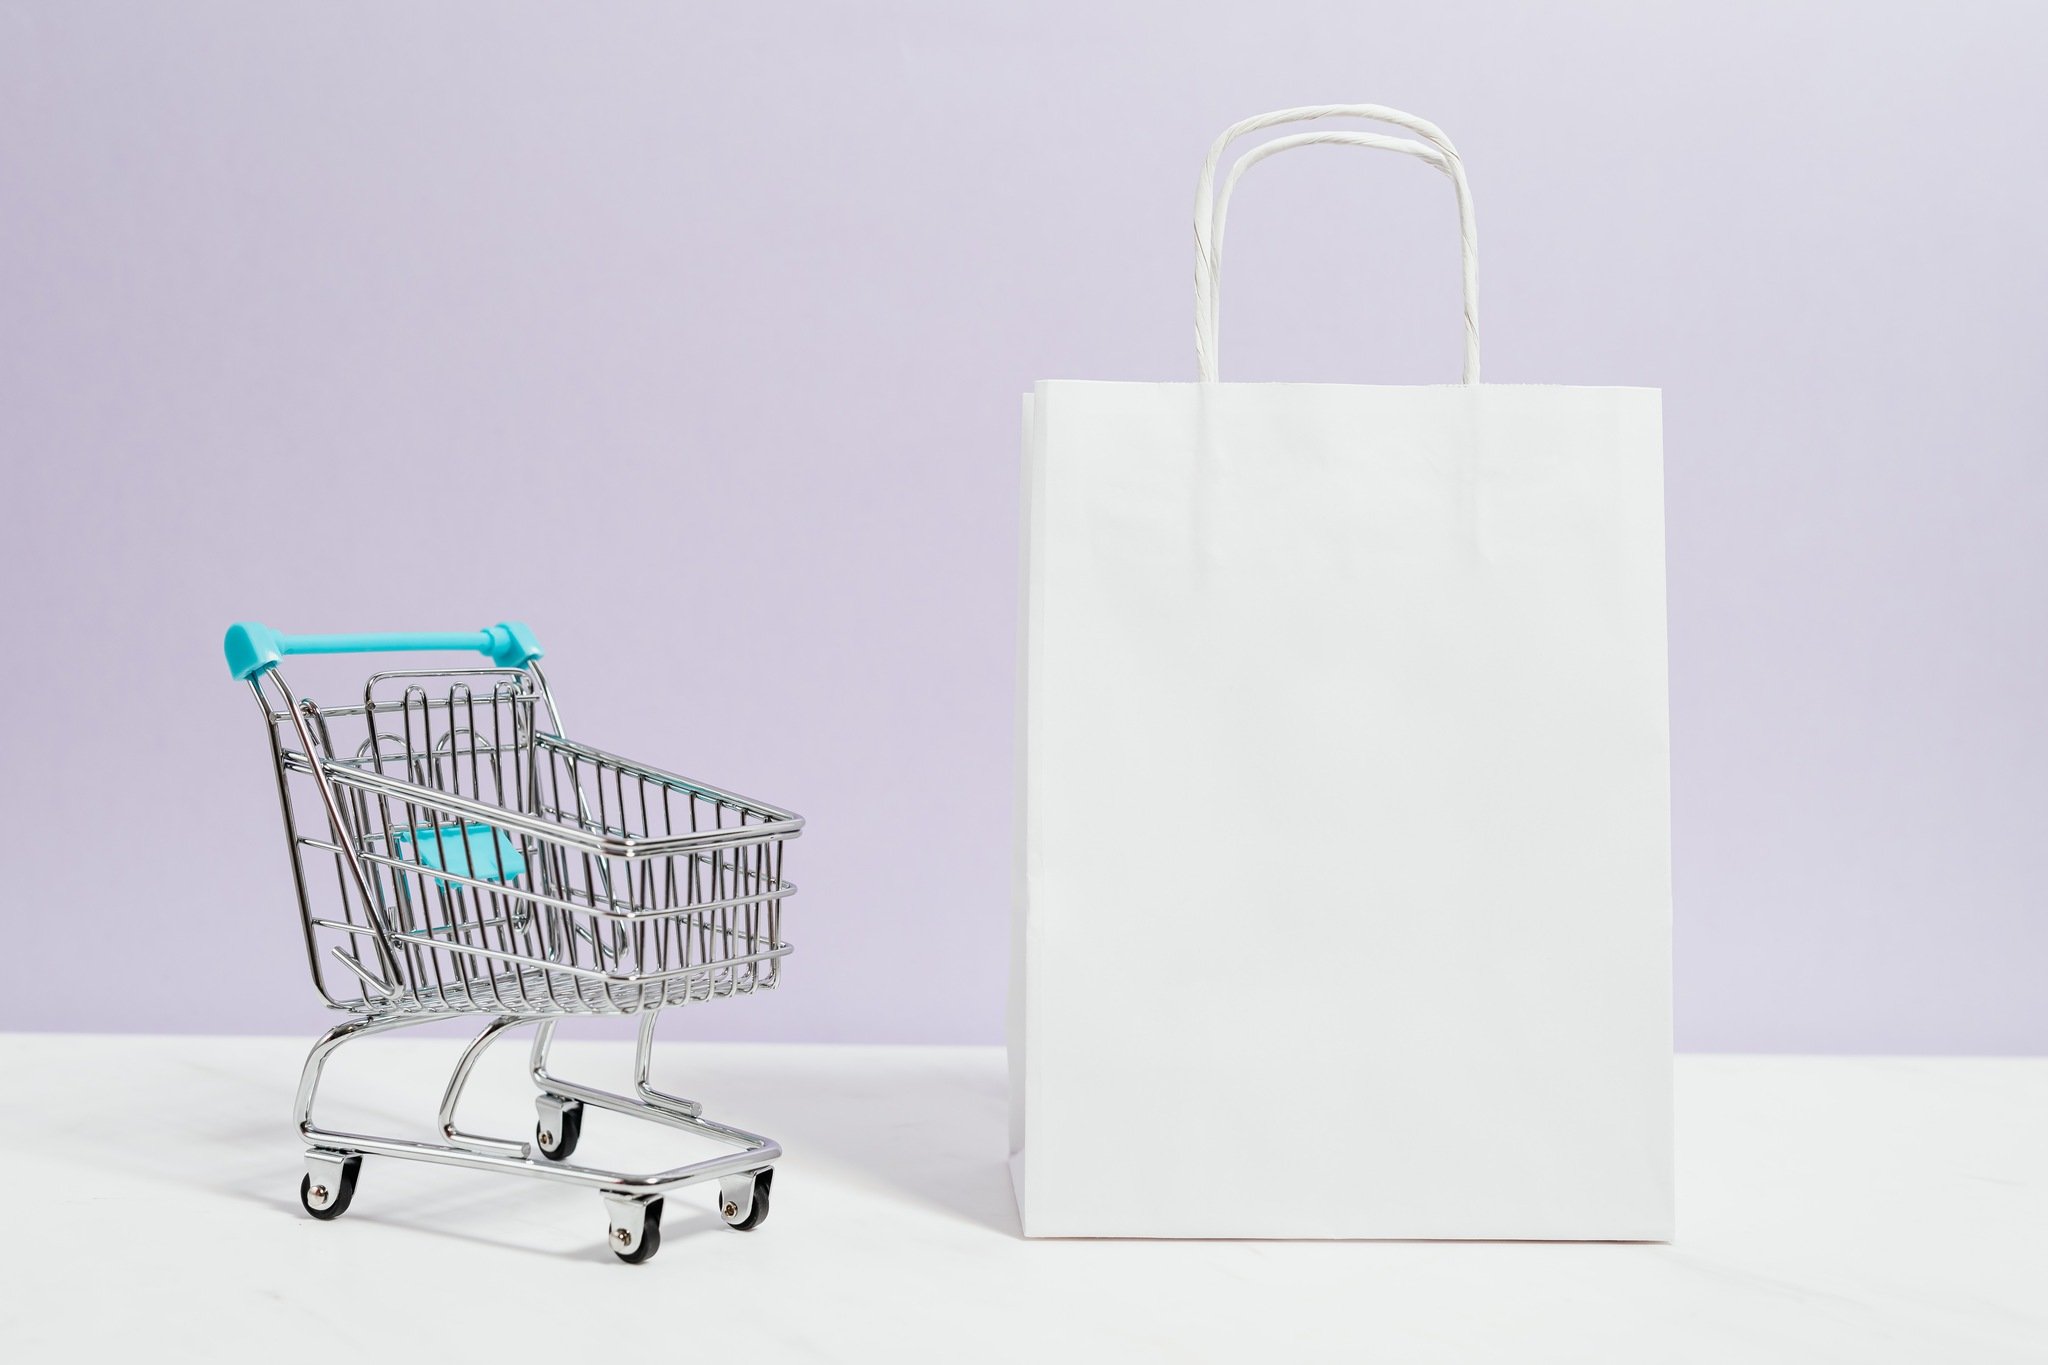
x=485, y=865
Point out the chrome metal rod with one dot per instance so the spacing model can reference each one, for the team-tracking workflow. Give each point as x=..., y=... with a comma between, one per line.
x=386, y=958
x=316, y=1060
x=460, y=1079
x=758, y=1155
x=643, y=1068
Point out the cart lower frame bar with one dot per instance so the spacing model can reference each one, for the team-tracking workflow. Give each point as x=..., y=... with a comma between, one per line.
x=754, y=1153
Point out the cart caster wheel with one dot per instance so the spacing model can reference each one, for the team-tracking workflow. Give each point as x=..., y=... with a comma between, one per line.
x=559, y=1129
x=636, y=1232
x=329, y=1196
x=729, y=1209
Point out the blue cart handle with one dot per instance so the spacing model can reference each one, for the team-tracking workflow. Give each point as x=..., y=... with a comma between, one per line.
x=252, y=648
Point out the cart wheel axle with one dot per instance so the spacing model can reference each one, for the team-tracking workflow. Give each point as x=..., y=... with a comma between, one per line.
x=636, y=1227
x=328, y=1185
x=559, y=1128
x=757, y=1211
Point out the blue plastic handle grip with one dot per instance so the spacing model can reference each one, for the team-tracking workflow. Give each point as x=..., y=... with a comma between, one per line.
x=252, y=648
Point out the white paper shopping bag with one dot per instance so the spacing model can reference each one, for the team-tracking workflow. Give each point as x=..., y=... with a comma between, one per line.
x=1343, y=872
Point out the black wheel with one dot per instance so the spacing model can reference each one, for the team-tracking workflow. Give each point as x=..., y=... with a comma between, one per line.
x=564, y=1142
x=337, y=1199
x=650, y=1237
x=759, y=1213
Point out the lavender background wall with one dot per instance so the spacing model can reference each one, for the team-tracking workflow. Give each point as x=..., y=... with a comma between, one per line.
x=694, y=334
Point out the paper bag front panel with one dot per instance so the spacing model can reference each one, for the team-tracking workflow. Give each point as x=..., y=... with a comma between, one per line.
x=1344, y=886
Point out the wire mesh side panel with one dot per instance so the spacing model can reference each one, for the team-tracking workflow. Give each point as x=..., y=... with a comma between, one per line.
x=713, y=915
x=511, y=913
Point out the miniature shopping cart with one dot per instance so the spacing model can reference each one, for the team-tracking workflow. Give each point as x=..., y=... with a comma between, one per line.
x=455, y=854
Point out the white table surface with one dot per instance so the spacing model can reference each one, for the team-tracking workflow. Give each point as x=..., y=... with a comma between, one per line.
x=1855, y=1210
